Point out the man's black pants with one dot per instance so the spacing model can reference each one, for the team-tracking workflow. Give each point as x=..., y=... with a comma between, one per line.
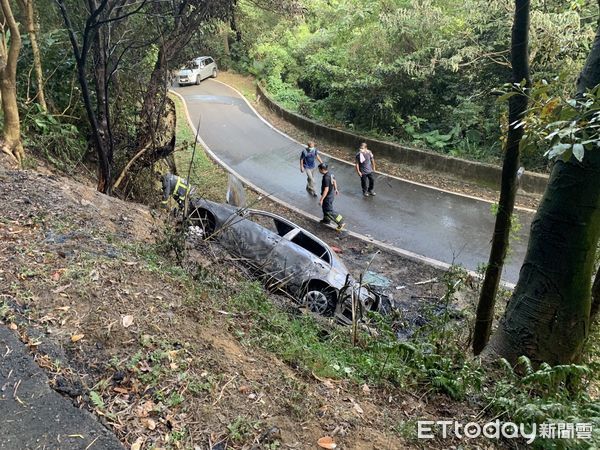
x=363, y=182
x=329, y=214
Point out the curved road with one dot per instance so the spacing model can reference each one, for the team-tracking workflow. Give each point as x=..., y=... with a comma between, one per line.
x=438, y=225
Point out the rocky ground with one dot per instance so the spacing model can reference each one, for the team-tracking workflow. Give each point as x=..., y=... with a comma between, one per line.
x=148, y=345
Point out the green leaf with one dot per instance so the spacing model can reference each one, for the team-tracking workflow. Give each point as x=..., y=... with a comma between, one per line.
x=578, y=151
x=557, y=150
x=96, y=400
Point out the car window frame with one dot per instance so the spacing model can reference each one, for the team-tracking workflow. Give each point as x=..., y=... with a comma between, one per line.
x=294, y=227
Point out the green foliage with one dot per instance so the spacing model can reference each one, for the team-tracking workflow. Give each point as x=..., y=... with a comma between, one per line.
x=547, y=395
x=96, y=400
x=59, y=142
x=241, y=429
x=563, y=128
x=435, y=359
x=371, y=65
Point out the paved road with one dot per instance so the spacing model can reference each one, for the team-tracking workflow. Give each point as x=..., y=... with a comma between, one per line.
x=439, y=225
x=33, y=416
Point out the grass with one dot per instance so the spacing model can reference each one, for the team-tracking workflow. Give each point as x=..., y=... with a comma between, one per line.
x=209, y=179
x=433, y=362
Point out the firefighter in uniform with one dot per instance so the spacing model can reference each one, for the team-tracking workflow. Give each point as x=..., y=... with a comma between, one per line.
x=176, y=187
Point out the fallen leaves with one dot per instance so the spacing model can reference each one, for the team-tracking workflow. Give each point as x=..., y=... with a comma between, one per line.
x=13, y=326
x=326, y=442
x=149, y=423
x=145, y=408
x=127, y=321
x=137, y=445
x=77, y=337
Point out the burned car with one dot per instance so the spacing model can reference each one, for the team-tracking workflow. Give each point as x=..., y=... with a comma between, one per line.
x=287, y=257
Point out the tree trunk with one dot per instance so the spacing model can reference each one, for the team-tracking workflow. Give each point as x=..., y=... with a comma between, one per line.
x=80, y=53
x=591, y=72
x=100, y=68
x=30, y=22
x=595, y=297
x=226, y=49
x=500, y=239
x=548, y=316
x=8, y=88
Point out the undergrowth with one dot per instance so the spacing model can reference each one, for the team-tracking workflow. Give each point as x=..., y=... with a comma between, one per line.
x=435, y=360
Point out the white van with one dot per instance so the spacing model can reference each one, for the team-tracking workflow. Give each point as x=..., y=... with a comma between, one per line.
x=197, y=70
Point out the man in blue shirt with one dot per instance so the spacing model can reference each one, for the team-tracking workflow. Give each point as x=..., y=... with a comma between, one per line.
x=308, y=164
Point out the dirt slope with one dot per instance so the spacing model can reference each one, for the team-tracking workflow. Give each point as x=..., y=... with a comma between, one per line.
x=132, y=337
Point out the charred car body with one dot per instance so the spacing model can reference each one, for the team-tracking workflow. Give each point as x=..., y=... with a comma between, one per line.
x=288, y=256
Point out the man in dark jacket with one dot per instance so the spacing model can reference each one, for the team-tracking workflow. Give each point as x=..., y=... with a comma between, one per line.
x=328, y=192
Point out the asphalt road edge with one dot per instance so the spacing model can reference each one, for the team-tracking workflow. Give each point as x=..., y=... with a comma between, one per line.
x=402, y=252
x=447, y=191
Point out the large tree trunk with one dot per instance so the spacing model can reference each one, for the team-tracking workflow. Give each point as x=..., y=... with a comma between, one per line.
x=500, y=239
x=30, y=22
x=9, y=54
x=595, y=297
x=100, y=68
x=548, y=316
x=98, y=132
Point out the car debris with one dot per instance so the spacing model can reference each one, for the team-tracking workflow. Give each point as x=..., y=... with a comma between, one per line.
x=287, y=257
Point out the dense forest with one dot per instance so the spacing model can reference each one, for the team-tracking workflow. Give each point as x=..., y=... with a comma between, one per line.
x=425, y=73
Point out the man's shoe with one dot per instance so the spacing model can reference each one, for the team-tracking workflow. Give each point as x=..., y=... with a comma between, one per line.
x=314, y=194
x=372, y=193
x=341, y=227
x=365, y=194
x=325, y=222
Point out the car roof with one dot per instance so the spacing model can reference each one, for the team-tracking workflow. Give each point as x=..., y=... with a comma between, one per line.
x=335, y=260
x=289, y=222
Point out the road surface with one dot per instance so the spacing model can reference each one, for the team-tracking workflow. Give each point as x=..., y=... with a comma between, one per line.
x=438, y=225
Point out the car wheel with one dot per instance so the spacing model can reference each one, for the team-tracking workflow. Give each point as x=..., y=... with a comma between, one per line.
x=320, y=301
x=214, y=73
x=197, y=80
x=205, y=220
x=343, y=310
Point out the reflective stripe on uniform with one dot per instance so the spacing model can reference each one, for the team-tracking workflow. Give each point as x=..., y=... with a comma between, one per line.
x=180, y=185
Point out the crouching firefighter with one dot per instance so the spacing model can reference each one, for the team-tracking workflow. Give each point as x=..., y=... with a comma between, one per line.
x=176, y=187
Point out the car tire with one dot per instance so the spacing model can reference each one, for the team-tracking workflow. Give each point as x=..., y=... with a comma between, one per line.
x=205, y=220
x=343, y=310
x=214, y=73
x=320, y=300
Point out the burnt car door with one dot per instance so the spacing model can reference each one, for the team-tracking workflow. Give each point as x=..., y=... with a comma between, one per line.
x=298, y=258
x=250, y=240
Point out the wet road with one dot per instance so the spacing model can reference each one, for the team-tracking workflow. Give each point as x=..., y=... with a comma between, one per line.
x=439, y=225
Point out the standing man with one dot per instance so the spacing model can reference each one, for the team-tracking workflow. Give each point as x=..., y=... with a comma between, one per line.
x=308, y=164
x=365, y=166
x=328, y=192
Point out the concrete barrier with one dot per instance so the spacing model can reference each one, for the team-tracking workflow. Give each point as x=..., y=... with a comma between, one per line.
x=481, y=173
